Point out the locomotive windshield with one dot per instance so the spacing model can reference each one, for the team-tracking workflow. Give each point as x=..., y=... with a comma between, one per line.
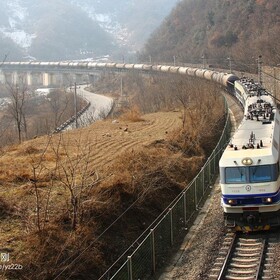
x=235, y=175
x=250, y=174
x=263, y=173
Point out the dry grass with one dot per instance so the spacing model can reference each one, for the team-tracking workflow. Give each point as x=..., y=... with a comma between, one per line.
x=136, y=165
x=131, y=114
x=5, y=209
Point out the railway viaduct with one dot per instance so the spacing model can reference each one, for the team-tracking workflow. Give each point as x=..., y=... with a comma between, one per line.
x=47, y=74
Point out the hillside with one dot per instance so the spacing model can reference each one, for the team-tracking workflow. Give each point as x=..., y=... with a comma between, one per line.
x=64, y=192
x=217, y=30
x=61, y=29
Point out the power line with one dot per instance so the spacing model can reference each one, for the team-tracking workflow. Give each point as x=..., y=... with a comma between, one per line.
x=3, y=61
x=275, y=78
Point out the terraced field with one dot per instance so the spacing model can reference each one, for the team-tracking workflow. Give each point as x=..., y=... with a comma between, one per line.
x=109, y=138
x=104, y=140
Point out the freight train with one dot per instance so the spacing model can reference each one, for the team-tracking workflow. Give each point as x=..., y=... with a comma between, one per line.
x=222, y=78
x=249, y=166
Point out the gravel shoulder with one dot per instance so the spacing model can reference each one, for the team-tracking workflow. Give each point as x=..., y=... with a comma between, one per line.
x=200, y=247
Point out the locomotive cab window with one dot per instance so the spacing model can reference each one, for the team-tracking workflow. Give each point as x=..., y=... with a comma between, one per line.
x=263, y=173
x=235, y=175
x=252, y=174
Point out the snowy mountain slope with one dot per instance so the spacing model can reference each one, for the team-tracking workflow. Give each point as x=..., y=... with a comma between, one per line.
x=63, y=29
x=15, y=16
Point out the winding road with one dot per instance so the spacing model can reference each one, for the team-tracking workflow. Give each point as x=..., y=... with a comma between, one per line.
x=100, y=107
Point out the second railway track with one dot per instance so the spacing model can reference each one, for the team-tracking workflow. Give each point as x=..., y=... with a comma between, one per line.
x=245, y=257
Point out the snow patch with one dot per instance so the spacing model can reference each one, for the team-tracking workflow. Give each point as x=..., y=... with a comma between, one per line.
x=18, y=13
x=43, y=91
x=106, y=22
x=20, y=37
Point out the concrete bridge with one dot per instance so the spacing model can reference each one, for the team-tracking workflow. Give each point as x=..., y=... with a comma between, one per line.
x=48, y=74
x=65, y=73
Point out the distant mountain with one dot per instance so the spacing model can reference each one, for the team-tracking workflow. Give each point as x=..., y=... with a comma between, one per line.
x=216, y=31
x=74, y=29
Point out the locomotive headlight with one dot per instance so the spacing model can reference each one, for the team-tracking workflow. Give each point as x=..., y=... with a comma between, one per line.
x=232, y=201
x=247, y=161
x=267, y=200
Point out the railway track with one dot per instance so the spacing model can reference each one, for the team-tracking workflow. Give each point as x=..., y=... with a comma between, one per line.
x=244, y=257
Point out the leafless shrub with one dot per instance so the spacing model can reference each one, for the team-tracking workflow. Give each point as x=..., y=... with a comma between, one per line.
x=5, y=209
x=76, y=175
x=131, y=114
x=17, y=107
x=57, y=251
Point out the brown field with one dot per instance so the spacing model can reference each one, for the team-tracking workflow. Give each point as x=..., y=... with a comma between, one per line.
x=61, y=192
x=105, y=140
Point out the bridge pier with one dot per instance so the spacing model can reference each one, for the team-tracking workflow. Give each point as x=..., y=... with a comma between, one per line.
x=34, y=79
x=12, y=78
x=93, y=78
x=67, y=79
x=51, y=79
x=79, y=78
x=46, y=79
x=2, y=77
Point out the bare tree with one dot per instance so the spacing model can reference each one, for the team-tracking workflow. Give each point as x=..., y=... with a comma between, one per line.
x=4, y=59
x=183, y=96
x=18, y=94
x=42, y=200
x=58, y=103
x=76, y=175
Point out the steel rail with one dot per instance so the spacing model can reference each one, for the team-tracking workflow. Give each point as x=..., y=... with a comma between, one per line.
x=262, y=258
x=228, y=258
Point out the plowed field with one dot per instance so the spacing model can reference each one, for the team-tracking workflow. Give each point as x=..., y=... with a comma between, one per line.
x=105, y=140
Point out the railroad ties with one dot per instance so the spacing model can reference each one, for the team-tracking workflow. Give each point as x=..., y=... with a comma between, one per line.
x=244, y=257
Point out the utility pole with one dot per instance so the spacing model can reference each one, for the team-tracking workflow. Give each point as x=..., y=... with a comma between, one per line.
x=260, y=69
x=75, y=105
x=229, y=59
x=203, y=61
x=274, y=82
x=121, y=87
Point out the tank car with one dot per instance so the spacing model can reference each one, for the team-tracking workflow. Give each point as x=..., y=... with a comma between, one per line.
x=156, y=67
x=183, y=70
x=138, y=66
x=129, y=66
x=200, y=73
x=165, y=68
x=174, y=69
x=147, y=67
x=249, y=166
